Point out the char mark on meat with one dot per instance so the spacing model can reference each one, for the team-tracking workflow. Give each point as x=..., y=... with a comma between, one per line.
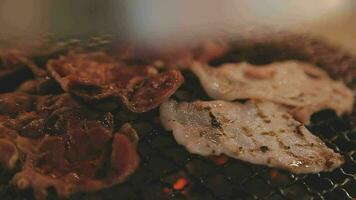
x=65, y=145
x=96, y=76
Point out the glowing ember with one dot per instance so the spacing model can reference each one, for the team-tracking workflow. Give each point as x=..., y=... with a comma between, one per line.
x=180, y=183
x=167, y=191
x=220, y=160
x=273, y=174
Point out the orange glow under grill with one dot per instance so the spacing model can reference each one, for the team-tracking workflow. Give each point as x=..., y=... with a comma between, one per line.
x=274, y=174
x=220, y=160
x=167, y=191
x=180, y=184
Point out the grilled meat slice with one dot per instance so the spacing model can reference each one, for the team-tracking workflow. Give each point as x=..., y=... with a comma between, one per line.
x=259, y=132
x=303, y=87
x=63, y=144
x=73, y=163
x=95, y=76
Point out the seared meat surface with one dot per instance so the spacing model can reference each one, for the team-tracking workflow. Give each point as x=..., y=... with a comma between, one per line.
x=64, y=145
x=259, y=132
x=300, y=86
x=95, y=76
x=62, y=142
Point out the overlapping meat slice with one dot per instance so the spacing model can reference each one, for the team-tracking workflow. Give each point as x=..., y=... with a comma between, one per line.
x=63, y=144
x=95, y=76
x=79, y=162
x=9, y=62
x=304, y=88
x=259, y=132
x=11, y=106
x=9, y=155
x=18, y=54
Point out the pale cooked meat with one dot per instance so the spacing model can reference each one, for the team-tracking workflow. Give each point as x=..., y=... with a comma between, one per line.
x=305, y=88
x=259, y=132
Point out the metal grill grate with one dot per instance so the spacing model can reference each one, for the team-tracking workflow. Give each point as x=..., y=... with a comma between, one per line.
x=168, y=171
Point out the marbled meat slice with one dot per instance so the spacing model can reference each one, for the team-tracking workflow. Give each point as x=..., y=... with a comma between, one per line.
x=258, y=132
x=305, y=88
x=95, y=76
x=60, y=143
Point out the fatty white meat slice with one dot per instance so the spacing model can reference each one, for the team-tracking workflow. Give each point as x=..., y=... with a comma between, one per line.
x=303, y=87
x=258, y=132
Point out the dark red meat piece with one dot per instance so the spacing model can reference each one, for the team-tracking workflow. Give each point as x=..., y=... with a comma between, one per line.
x=11, y=104
x=95, y=76
x=64, y=144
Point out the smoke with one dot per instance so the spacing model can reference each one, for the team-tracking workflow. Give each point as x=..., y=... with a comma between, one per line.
x=155, y=21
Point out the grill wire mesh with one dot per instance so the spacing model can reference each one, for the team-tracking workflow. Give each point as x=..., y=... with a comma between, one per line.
x=168, y=171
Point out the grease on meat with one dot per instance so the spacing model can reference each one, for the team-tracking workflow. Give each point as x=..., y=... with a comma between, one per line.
x=305, y=88
x=259, y=132
x=73, y=170
x=95, y=76
x=60, y=143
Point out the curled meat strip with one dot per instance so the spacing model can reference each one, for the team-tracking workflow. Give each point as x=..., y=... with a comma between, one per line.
x=95, y=76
